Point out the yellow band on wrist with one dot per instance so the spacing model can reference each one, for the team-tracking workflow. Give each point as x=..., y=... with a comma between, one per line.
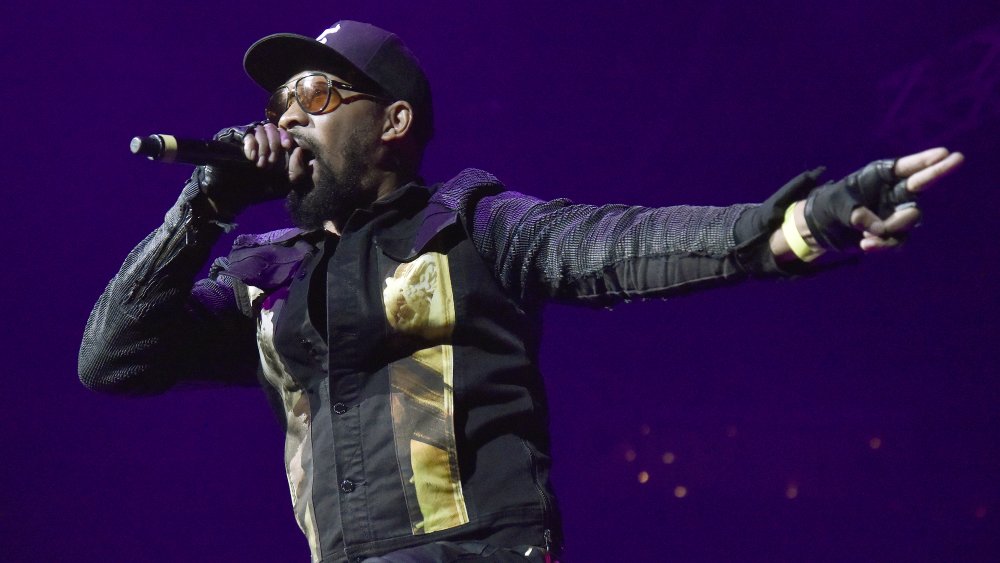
x=793, y=237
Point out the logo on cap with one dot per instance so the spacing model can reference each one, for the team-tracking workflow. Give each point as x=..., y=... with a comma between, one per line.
x=328, y=31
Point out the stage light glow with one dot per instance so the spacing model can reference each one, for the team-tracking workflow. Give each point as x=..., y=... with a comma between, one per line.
x=875, y=443
x=680, y=491
x=669, y=457
x=643, y=477
x=791, y=491
x=630, y=456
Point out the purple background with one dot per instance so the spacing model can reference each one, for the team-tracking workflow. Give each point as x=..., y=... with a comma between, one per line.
x=757, y=390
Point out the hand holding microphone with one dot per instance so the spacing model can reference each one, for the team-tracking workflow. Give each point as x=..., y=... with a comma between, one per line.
x=239, y=167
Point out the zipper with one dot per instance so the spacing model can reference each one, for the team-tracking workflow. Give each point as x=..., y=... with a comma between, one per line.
x=546, y=505
x=166, y=249
x=534, y=479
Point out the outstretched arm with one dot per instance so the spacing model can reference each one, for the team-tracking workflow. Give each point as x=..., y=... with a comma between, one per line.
x=601, y=254
x=607, y=253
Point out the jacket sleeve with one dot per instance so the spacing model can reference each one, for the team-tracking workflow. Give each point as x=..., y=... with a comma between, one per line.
x=154, y=327
x=604, y=254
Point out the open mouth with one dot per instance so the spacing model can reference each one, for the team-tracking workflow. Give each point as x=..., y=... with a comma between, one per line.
x=308, y=156
x=302, y=144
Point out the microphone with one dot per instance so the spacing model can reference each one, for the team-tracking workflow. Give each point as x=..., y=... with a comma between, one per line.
x=167, y=148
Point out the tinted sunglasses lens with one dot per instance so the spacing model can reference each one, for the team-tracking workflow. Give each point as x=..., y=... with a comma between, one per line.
x=314, y=94
x=277, y=105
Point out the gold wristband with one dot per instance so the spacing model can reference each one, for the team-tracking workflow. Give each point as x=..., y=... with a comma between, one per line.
x=793, y=237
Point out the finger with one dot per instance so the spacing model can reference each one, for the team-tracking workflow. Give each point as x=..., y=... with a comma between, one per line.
x=864, y=219
x=263, y=147
x=274, y=143
x=925, y=178
x=286, y=139
x=913, y=163
x=902, y=220
x=250, y=147
x=872, y=243
x=298, y=168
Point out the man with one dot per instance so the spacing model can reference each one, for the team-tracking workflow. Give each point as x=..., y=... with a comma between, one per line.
x=396, y=330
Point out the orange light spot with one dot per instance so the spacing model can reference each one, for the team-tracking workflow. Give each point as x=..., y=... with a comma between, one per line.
x=680, y=491
x=669, y=457
x=630, y=456
x=791, y=491
x=643, y=477
x=875, y=443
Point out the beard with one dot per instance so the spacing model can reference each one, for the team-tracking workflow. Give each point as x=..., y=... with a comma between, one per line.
x=334, y=195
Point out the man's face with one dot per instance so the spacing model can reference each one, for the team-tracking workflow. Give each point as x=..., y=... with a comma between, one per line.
x=331, y=167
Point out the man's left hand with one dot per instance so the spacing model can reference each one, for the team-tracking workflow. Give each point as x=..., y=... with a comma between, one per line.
x=873, y=208
x=919, y=171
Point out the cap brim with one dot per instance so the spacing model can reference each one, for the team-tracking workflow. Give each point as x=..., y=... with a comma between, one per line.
x=274, y=59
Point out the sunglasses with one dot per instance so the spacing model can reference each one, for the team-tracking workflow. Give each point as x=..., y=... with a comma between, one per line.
x=315, y=94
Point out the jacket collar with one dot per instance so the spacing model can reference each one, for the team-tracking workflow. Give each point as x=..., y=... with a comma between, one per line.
x=415, y=219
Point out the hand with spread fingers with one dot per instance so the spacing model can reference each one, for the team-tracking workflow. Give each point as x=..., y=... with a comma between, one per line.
x=917, y=172
x=871, y=209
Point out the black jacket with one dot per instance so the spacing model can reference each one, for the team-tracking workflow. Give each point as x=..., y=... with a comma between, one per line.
x=401, y=357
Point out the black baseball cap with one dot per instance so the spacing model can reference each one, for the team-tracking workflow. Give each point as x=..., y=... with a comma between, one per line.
x=355, y=51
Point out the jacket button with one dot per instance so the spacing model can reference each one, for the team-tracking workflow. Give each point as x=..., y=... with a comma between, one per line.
x=340, y=408
x=347, y=486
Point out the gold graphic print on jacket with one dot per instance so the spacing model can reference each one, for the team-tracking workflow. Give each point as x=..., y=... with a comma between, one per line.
x=419, y=303
x=298, y=424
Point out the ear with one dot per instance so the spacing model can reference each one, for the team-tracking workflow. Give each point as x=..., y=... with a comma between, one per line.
x=398, y=121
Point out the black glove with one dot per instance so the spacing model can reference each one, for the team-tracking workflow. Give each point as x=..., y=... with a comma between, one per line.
x=767, y=217
x=829, y=207
x=233, y=188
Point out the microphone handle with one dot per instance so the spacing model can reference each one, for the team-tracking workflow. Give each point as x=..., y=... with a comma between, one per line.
x=167, y=148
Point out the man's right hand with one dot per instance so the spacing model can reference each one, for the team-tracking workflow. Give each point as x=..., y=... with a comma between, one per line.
x=231, y=189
